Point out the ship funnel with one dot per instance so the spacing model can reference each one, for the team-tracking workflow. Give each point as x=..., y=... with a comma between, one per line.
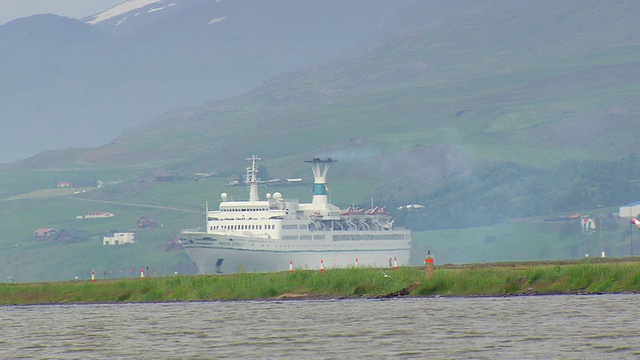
x=320, y=168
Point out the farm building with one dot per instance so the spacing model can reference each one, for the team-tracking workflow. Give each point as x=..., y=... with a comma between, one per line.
x=119, y=239
x=630, y=210
x=147, y=222
x=45, y=233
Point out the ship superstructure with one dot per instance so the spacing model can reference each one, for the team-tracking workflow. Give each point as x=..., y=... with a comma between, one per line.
x=276, y=233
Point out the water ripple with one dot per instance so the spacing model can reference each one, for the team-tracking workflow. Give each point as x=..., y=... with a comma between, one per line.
x=481, y=328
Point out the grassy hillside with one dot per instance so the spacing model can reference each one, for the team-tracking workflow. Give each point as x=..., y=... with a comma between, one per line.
x=180, y=204
x=527, y=240
x=485, y=119
x=535, y=86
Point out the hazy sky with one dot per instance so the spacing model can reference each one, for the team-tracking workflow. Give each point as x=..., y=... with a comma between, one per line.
x=13, y=9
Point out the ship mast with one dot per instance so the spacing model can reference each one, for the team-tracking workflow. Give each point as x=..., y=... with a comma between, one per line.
x=252, y=178
x=320, y=168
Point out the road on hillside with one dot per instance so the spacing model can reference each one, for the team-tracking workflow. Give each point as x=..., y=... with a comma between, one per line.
x=140, y=205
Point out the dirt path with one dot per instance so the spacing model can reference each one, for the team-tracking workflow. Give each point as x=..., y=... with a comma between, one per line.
x=140, y=205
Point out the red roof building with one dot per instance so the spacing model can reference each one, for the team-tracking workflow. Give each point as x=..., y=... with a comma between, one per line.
x=45, y=233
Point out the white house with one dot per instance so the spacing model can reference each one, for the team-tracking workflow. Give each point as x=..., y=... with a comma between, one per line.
x=630, y=210
x=119, y=239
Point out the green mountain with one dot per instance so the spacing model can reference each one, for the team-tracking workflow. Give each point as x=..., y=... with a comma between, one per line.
x=550, y=82
x=72, y=83
x=486, y=119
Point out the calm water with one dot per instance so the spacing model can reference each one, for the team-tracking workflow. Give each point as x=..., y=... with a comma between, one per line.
x=540, y=327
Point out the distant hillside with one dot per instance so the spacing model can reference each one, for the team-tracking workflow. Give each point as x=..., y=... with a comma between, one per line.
x=535, y=86
x=501, y=115
x=66, y=83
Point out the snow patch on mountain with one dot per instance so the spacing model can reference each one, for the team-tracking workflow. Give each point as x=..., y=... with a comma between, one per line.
x=156, y=9
x=217, y=20
x=121, y=9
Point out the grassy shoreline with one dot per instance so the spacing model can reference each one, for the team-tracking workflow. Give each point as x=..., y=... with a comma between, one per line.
x=588, y=276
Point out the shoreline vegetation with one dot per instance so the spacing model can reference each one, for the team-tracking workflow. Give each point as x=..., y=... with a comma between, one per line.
x=586, y=276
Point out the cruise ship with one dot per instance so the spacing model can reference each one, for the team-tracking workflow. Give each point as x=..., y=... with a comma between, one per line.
x=279, y=234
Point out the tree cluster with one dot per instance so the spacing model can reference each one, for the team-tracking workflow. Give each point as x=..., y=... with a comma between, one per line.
x=509, y=190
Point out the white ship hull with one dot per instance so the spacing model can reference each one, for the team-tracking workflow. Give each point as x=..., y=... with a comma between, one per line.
x=217, y=255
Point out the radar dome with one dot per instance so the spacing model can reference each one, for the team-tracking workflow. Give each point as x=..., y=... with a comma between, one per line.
x=223, y=196
x=268, y=195
x=277, y=195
